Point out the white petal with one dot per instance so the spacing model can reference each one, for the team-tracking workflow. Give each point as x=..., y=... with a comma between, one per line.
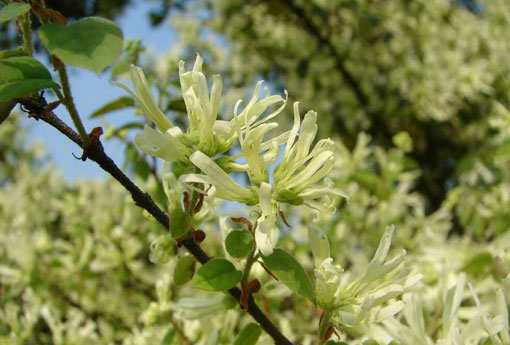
x=221, y=178
x=318, y=243
x=266, y=234
x=161, y=145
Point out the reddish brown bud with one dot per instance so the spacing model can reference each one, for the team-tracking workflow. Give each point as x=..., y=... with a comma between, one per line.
x=282, y=216
x=254, y=286
x=52, y=106
x=199, y=204
x=242, y=220
x=56, y=62
x=95, y=134
x=57, y=16
x=185, y=201
x=198, y=236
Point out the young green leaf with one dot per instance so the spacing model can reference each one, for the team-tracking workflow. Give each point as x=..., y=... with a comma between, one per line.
x=216, y=275
x=249, y=335
x=183, y=271
x=180, y=222
x=286, y=268
x=116, y=104
x=20, y=76
x=12, y=11
x=169, y=337
x=91, y=43
x=239, y=243
x=6, y=108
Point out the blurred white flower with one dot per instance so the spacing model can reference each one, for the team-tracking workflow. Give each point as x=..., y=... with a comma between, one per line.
x=371, y=297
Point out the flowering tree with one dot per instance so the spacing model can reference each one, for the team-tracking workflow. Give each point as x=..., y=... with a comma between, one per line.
x=76, y=269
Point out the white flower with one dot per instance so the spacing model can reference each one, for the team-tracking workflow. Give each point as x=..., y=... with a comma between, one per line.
x=267, y=232
x=144, y=98
x=225, y=187
x=368, y=299
x=162, y=145
x=327, y=281
x=301, y=168
x=497, y=328
x=318, y=243
x=202, y=110
x=255, y=108
x=195, y=308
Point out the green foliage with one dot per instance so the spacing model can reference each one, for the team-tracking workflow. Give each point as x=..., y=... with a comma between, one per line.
x=249, y=335
x=117, y=104
x=216, y=275
x=12, y=11
x=21, y=76
x=90, y=43
x=239, y=243
x=184, y=270
x=288, y=270
x=180, y=222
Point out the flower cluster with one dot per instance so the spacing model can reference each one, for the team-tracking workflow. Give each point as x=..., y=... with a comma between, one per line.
x=300, y=169
x=369, y=298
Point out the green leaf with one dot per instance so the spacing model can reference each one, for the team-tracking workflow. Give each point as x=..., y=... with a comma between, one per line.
x=249, y=335
x=216, y=275
x=91, y=43
x=169, y=337
x=120, y=132
x=286, y=268
x=12, y=11
x=479, y=265
x=20, y=76
x=6, y=108
x=180, y=222
x=239, y=243
x=183, y=271
x=116, y=104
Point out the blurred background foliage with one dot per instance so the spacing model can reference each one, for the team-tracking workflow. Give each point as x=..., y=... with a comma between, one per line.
x=416, y=92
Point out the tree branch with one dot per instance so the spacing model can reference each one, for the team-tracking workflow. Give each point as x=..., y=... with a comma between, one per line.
x=315, y=31
x=144, y=200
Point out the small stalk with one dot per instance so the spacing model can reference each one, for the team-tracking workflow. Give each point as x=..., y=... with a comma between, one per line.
x=71, y=107
x=324, y=326
x=26, y=29
x=249, y=263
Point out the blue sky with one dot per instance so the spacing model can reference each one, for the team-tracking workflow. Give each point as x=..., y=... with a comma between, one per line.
x=90, y=92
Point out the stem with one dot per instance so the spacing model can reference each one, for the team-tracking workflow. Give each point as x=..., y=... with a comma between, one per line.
x=71, y=108
x=143, y=200
x=324, y=326
x=249, y=263
x=26, y=28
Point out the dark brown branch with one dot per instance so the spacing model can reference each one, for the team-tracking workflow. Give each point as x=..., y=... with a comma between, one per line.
x=144, y=200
